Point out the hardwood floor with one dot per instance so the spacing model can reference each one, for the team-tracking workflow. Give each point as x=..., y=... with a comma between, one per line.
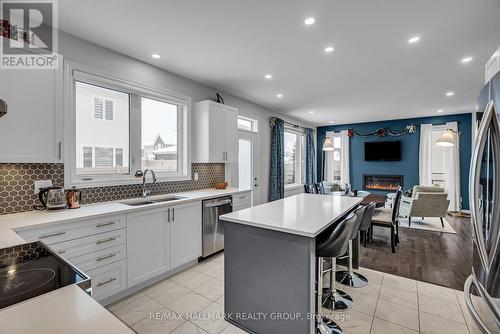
x=439, y=258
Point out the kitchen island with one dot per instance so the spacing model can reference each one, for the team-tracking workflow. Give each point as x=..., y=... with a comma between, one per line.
x=270, y=261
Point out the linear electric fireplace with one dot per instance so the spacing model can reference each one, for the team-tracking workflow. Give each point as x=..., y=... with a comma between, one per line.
x=382, y=182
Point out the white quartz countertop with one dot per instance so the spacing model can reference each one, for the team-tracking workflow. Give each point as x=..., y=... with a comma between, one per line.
x=70, y=309
x=9, y=224
x=304, y=214
x=66, y=310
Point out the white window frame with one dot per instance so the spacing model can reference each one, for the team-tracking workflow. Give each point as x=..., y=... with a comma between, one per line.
x=254, y=126
x=74, y=72
x=299, y=158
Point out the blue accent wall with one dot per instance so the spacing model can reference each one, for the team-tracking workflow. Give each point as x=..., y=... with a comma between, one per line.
x=408, y=166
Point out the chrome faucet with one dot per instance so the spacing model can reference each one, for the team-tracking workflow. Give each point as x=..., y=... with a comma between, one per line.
x=147, y=192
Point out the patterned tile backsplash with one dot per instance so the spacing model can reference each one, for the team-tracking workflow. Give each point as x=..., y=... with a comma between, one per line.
x=17, y=181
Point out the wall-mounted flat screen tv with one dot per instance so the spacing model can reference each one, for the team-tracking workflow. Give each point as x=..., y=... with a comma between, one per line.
x=383, y=151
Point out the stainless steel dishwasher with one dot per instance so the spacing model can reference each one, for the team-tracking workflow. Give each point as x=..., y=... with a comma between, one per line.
x=213, y=228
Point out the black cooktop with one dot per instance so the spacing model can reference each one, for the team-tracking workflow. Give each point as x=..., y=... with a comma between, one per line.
x=32, y=269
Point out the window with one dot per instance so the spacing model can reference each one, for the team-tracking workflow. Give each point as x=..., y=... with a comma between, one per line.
x=247, y=124
x=103, y=157
x=294, y=157
x=159, y=135
x=103, y=108
x=438, y=160
x=102, y=136
x=333, y=159
x=119, y=157
x=121, y=127
x=336, y=165
x=87, y=157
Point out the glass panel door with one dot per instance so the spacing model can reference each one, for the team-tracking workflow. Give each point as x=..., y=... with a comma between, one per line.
x=248, y=166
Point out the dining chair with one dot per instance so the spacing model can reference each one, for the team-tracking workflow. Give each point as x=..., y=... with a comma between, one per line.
x=319, y=188
x=309, y=188
x=389, y=218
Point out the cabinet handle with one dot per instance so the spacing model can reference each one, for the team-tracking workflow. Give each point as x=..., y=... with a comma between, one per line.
x=61, y=252
x=242, y=197
x=100, y=258
x=51, y=235
x=173, y=214
x=106, y=282
x=168, y=215
x=105, y=224
x=105, y=240
x=59, y=150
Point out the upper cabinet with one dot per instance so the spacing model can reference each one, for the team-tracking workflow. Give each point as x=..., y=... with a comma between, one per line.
x=31, y=130
x=215, y=133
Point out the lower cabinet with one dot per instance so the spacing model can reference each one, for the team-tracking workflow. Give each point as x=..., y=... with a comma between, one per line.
x=185, y=233
x=108, y=280
x=242, y=201
x=148, y=245
x=162, y=239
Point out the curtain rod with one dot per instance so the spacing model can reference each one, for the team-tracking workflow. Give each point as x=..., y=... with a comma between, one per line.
x=295, y=126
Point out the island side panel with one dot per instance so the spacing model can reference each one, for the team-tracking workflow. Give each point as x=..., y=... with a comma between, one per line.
x=268, y=273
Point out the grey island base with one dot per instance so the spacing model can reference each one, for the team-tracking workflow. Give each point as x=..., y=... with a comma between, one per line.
x=270, y=261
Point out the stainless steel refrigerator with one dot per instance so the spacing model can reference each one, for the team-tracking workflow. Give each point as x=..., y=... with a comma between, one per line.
x=482, y=288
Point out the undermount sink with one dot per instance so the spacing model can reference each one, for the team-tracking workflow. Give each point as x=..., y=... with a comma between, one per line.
x=143, y=201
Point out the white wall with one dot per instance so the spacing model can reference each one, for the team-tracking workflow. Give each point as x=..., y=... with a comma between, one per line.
x=91, y=55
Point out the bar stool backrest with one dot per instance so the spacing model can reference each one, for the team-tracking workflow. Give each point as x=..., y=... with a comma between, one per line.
x=335, y=244
x=359, y=211
x=367, y=217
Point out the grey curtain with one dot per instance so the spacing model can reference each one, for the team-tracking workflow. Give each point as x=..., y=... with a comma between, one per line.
x=309, y=156
x=277, y=171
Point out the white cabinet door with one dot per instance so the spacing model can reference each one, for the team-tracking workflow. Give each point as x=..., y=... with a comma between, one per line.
x=148, y=249
x=217, y=133
x=30, y=130
x=185, y=233
x=231, y=134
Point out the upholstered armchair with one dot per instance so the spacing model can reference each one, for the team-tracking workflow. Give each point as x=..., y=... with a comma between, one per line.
x=425, y=202
x=330, y=187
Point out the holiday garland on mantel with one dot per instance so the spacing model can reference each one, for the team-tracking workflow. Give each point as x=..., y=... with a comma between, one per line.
x=383, y=132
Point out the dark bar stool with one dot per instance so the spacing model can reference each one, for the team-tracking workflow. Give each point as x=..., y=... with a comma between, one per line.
x=333, y=245
x=366, y=222
x=349, y=277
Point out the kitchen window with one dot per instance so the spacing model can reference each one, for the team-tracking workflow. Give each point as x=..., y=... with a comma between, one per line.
x=294, y=157
x=159, y=135
x=118, y=128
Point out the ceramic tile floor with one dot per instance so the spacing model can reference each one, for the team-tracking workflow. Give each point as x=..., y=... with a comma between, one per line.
x=389, y=304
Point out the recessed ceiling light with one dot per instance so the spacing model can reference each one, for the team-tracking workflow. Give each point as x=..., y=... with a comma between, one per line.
x=309, y=21
x=414, y=39
x=450, y=93
x=311, y=111
x=155, y=56
x=329, y=49
x=466, y=60
x=268, y=76
x=440, y=110
x=279, y=96
x=331, y=122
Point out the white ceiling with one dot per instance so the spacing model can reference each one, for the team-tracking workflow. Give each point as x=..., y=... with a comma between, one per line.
x=373, y=74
